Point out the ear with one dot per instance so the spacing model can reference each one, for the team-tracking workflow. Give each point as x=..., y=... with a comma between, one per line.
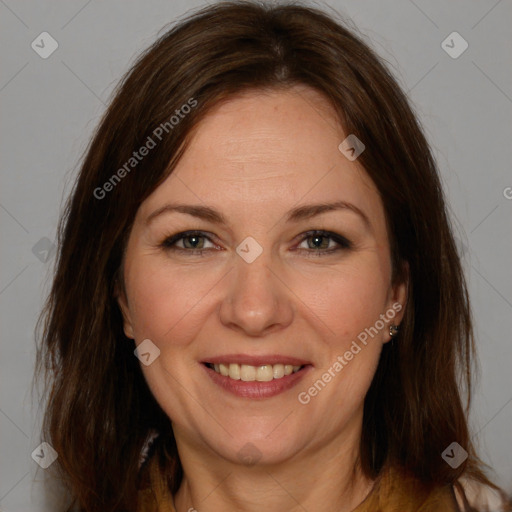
x=120, y=296
x=397, y=301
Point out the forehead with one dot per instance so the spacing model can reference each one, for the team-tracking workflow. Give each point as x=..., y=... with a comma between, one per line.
x=271, y=150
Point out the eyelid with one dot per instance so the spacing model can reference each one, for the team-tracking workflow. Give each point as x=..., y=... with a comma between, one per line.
x=343, y=242
x=169, y=242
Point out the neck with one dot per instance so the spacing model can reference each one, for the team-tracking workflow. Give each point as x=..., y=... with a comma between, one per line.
x=318, y=478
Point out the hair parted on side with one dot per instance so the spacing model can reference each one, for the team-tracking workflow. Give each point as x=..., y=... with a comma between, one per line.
x=99, y=407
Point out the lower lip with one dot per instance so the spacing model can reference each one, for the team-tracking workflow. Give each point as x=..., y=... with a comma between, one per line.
x=256, y=389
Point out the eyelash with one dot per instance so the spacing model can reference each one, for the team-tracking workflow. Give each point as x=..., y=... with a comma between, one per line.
x=343, y=244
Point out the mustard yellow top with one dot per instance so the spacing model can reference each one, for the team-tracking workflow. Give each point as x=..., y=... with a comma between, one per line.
x=392, y=493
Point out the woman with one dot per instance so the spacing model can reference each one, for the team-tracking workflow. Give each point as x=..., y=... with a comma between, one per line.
x=258, y=301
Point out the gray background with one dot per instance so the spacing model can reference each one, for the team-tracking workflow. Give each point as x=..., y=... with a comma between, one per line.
x=50, y=107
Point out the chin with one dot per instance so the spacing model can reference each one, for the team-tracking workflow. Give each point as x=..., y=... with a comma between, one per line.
x=264, y=446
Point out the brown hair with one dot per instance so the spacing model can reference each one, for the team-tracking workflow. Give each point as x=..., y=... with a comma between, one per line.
x=100, y=409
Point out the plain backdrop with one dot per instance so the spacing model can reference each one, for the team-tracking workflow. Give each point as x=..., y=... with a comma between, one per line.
x=50, y=107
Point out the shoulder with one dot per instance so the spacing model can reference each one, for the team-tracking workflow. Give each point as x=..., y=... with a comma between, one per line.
x=397, y=489
x=479, y=496
x=155, y=496
x=404, y=491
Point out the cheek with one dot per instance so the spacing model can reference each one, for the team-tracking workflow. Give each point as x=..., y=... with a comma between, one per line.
x=163, y=301
x=347, y=301
x=349, y=306
x=167, y=303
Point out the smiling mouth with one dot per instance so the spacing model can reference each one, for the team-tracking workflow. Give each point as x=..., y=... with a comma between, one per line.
x=249, y=373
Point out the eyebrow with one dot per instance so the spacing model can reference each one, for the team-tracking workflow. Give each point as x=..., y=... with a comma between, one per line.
x=296, y=214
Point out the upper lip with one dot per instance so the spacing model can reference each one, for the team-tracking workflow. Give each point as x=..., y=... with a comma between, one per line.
x=256, y=360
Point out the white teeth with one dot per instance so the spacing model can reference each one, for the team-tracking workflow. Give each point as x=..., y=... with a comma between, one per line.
x=264, y=373
x=278, y=371
x=234, y=371
x=248, y=373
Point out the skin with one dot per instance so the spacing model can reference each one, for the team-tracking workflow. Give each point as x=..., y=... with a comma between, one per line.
x=254, y=158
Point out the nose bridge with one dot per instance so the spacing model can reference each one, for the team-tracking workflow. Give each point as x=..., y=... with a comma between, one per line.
x=256, y=301
x=255, y=280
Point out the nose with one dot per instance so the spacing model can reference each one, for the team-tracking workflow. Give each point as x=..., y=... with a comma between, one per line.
x=257, y=300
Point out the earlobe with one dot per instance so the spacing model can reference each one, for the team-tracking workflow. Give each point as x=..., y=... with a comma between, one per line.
x=398, y=303
x=399, y=300
x=125, y=311
x=400, y=289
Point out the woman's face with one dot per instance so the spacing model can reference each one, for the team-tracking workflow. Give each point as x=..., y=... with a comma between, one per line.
x=253, y=291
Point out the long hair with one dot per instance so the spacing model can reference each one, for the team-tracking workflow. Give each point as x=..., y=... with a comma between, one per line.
x=99, y=408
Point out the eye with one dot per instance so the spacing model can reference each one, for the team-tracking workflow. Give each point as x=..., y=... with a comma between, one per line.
x=192, y=242
x=322, y=243
x=318, y=243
